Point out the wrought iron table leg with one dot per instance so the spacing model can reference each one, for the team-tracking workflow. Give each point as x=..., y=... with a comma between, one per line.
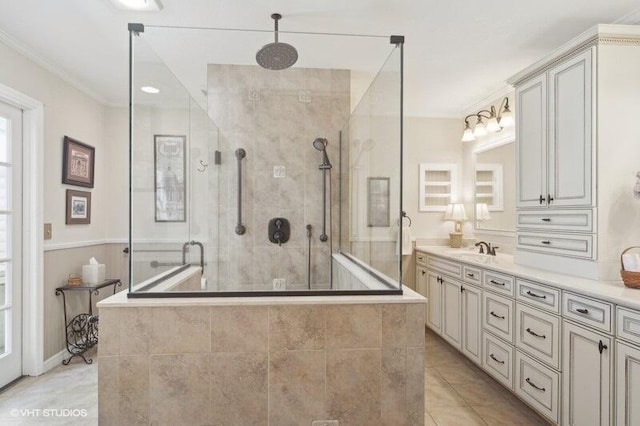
x=68, y=360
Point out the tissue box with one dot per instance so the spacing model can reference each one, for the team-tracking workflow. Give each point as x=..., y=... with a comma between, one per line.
x=93, y=274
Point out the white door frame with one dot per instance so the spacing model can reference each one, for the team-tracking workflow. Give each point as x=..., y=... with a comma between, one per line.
x=32, y=228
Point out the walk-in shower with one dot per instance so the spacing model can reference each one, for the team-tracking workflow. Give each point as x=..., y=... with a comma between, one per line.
x=269, y=161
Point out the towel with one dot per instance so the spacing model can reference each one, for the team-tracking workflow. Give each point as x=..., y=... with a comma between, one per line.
x=631, y=262
x=407, y=249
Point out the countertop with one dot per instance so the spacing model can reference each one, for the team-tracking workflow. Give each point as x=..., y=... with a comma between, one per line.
x=610, y=291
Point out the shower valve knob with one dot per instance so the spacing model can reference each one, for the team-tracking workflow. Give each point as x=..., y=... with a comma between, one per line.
x=279, y=230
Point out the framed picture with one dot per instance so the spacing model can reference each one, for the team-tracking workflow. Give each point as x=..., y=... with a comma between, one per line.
x=78, y=161
x=378, y=202
x=78, y=207
x=169, y=175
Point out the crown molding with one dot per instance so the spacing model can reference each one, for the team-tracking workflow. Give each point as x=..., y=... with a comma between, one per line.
x=50, y=66
x=598, y=34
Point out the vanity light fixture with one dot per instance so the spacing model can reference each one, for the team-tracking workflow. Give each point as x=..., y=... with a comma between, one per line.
x=496, y=121
x=150, y=89
x=455, y=213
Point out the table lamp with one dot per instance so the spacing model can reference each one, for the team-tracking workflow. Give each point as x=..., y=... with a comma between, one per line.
x=455, y=213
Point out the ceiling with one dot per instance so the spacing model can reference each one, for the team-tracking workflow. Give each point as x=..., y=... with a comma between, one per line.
x=455, y=53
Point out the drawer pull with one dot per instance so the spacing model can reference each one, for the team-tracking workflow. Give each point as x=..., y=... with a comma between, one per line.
x=423, y=272
x=582, y=311
x=533, y=333
x=471, y=275
x=536, y=295
x=533, y=385
x=496, y=359
x=546, y=219
x=496, y=282
x=493, y=314
x=546, y=242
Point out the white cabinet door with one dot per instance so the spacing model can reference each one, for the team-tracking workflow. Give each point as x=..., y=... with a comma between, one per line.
x=434, y=302
x=570, y=132
x=627, y=385
x=587, y=365
x=531, y=137
x=471, y=323
x=451, y=311
x=422, y=287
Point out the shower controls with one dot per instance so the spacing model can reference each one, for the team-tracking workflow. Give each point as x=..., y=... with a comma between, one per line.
x=279, y=230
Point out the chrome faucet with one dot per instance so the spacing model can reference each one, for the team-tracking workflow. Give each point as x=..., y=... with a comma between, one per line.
x=491, y=251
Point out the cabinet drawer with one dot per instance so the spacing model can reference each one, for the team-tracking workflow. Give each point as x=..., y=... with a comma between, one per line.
x=421, y=258
x=538, y=334
x=593, y=313
x=580, y=246
x=500, y=283
x=444, y=266
x=540, y=296
x=538, y=385
x=497, y=359
x=497, y=315
x=628, y=325
x=558, y=220
x=471, y=275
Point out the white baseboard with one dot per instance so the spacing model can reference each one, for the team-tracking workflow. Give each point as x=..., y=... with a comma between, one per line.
x=54, y=361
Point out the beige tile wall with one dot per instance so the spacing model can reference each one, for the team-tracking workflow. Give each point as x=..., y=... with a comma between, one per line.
x=262, y=112
x=58, y=264
x=266, y=365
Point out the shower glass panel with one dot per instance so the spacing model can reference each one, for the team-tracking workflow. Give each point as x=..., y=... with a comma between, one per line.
x=252, y=174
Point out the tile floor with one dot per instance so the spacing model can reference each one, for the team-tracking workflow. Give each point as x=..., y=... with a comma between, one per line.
x=457, y=393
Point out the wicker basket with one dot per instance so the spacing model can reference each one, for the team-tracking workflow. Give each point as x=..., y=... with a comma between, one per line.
x=74, y=281
x=630, y=278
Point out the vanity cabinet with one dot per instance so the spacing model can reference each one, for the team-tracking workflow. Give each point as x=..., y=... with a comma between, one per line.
x=587, y=376
x=434, y=302
x=554, y=135
x=627, y=384
x=471, y=323
x=451, y=311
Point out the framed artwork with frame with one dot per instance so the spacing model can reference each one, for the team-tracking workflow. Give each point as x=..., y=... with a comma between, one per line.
x=78, y=163
x=169, y=162
x=78, y=207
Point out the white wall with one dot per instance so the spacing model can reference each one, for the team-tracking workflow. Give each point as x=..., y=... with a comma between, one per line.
x=430, y=140
x=67, y=111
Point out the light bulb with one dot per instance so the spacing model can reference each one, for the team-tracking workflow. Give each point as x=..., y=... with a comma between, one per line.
x=480, y=130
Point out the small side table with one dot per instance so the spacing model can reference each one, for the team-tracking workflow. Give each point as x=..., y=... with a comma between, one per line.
x=82, y=331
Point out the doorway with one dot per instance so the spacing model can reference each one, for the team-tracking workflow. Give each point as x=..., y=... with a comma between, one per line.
x=11, y=237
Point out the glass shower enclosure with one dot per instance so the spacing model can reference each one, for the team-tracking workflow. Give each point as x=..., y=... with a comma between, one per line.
x=271, y=181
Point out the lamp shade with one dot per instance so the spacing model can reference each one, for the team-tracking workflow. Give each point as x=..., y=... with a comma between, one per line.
x=467, y=136
x=482, y=212
x=455, y=213
x=492, y=124
x=506, y=119
x=480, y=130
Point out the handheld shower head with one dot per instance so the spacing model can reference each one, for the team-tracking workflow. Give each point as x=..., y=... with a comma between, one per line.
x=321, y=145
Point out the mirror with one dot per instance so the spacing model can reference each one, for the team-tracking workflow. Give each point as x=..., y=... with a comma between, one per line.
x=495, y=188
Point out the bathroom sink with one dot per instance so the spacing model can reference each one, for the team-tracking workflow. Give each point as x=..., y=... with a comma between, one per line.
x=474, y=257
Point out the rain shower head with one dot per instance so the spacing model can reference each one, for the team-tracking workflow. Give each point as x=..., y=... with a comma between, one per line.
x=321, y=145
x=276, y=55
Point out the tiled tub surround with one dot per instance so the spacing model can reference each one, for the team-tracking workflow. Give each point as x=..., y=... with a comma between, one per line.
x=272, y=360
x=274, y=117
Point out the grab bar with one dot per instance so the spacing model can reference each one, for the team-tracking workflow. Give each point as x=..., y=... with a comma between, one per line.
x=185, y=247
x=240, y=154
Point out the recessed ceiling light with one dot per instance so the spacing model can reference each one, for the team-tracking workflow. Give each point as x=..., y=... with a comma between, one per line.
x=138, y=5
x=150, y=89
